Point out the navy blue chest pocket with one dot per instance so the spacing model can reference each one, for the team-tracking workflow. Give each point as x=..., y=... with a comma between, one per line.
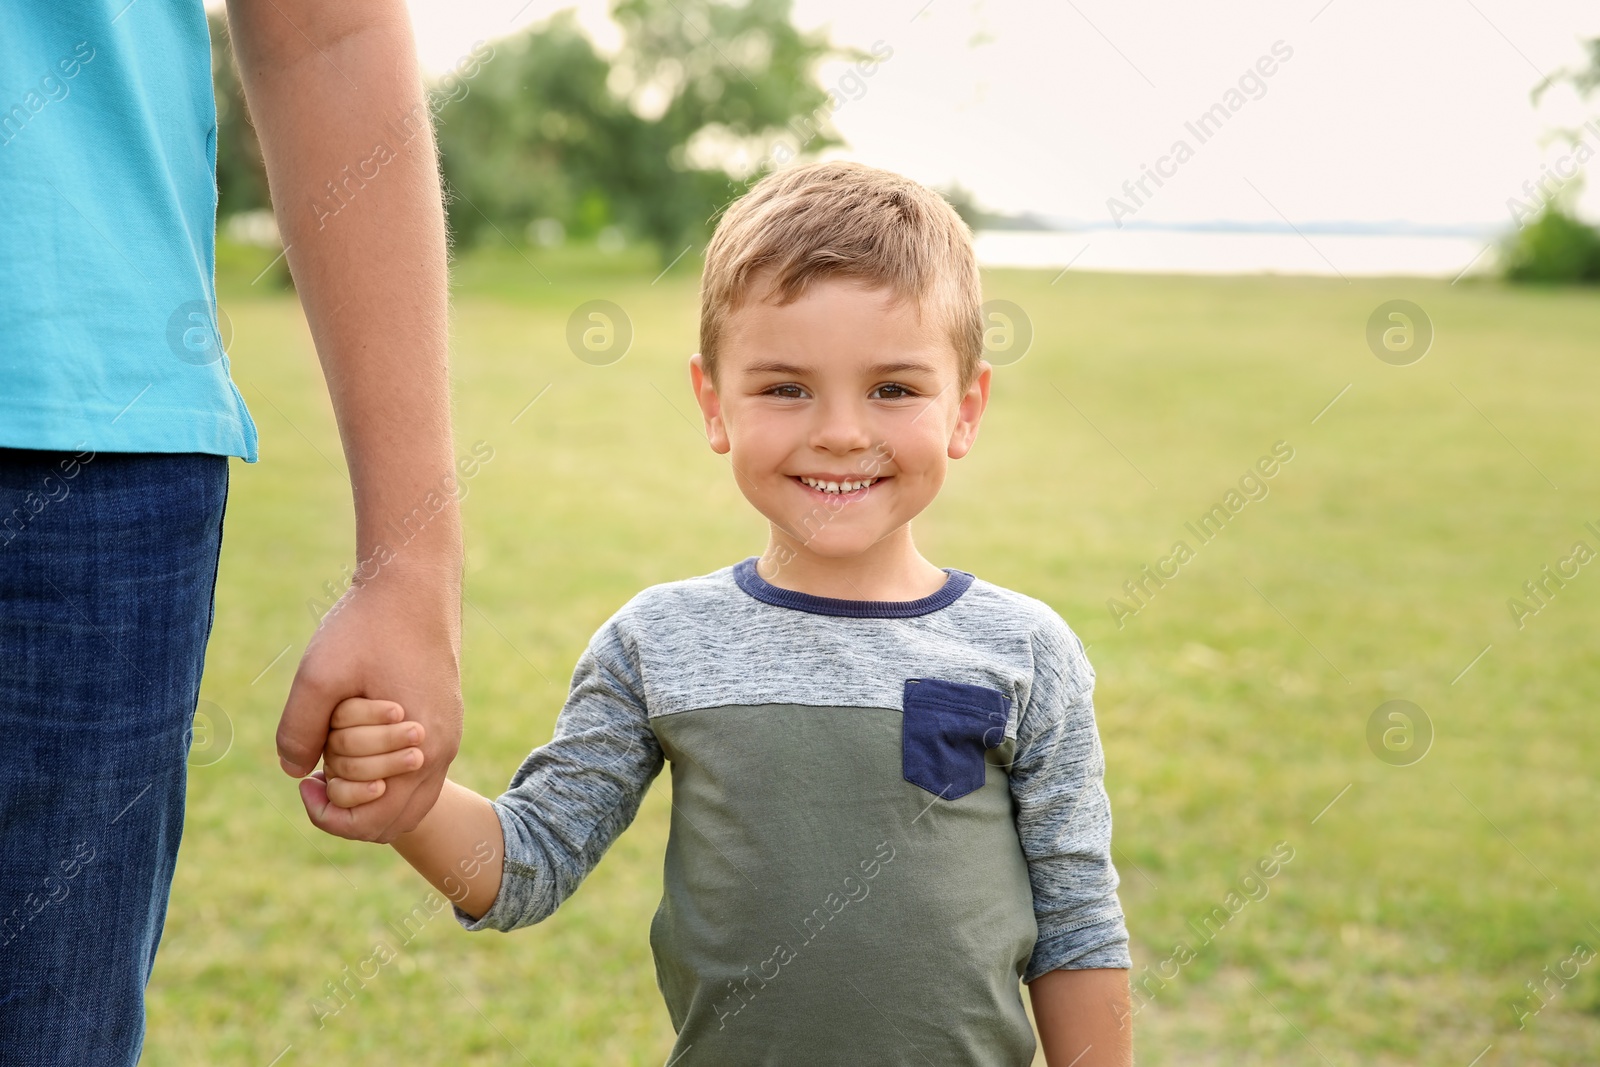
x=946, y=728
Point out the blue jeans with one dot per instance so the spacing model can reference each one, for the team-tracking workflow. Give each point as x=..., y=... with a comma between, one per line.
x=108, y=566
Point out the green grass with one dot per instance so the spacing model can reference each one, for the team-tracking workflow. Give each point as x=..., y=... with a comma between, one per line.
x=1415, y=908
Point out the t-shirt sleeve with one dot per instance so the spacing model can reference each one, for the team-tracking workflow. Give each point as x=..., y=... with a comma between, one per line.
x=1064, y=814
x=574, y=795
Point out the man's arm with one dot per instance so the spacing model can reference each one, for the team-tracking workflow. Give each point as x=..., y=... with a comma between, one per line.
x=337, y=102
x=1084, y=1017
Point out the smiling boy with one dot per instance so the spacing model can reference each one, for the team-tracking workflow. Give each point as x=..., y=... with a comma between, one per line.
x=887, y=789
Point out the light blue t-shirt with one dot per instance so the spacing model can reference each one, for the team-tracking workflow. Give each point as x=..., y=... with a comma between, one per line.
x=108, y=335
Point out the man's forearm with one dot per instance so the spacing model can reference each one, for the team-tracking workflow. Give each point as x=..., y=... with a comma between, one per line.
x=1083, y=1017
x=338, y=104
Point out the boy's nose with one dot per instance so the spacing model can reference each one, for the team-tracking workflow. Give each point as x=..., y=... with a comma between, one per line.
x=841, y=428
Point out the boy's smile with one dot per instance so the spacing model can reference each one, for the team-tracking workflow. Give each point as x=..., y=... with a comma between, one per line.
x=839, y=413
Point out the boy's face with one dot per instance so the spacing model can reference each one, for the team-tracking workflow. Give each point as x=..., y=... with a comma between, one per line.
x=843, y=385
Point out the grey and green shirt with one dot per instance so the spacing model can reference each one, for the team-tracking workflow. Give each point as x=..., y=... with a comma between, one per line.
x=884, y=815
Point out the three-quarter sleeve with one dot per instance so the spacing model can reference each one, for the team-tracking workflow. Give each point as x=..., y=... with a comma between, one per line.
x=1064, y=815
x=573, y=796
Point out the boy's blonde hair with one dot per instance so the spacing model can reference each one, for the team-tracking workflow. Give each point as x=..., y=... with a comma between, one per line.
x=844, y=220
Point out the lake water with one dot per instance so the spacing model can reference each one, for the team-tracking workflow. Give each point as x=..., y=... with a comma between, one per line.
x=1211, y=252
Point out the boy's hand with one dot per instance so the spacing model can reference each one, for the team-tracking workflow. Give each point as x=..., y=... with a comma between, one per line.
x=368, y=741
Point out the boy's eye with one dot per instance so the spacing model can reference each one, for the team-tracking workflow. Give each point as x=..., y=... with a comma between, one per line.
x=790, y=391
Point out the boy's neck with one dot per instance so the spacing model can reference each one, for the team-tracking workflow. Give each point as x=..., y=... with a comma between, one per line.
x=891, y=570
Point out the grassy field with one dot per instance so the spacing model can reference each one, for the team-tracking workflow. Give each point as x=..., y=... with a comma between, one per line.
x=1234, y=704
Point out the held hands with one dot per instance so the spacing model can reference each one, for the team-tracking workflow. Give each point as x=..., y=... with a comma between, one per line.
x=368, y=741
x=398, y=635
x=458, y=846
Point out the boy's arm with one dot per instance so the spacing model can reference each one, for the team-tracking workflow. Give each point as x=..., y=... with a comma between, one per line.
x=510, y=862
x=1082, y=1017
x=576, y=793
x=1064, y=826
x=525, y=852
x=458, y=847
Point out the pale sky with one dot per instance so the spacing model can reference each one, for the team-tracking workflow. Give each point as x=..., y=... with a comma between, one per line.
x=1416, y=110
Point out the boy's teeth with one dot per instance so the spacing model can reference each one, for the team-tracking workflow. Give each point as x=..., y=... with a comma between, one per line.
x=838, y=487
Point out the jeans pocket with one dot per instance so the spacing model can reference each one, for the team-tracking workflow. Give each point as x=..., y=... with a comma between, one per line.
x=946, y=728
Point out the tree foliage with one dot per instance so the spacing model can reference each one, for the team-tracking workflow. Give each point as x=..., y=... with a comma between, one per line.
x=550, y=129
x=1557, y=246
x=702, y=97
x=241, y=176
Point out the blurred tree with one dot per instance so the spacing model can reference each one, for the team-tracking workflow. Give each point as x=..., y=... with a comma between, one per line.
x=1584, y=79
x=966, y=204
x=650, y=141
x=703, y=98
x=241, y=176
x=530, y=136
x=1557, y=246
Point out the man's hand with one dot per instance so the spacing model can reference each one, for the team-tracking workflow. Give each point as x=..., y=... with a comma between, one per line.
x=346, y=133
x=389, y=637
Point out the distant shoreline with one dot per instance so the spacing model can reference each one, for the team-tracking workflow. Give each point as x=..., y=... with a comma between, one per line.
x=1215, y=248
x=1030, y=223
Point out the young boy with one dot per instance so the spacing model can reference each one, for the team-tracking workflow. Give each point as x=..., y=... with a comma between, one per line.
x=886, y=779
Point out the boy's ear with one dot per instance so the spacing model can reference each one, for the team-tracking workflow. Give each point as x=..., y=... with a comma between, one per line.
x=705, y=394
x=969, y=412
